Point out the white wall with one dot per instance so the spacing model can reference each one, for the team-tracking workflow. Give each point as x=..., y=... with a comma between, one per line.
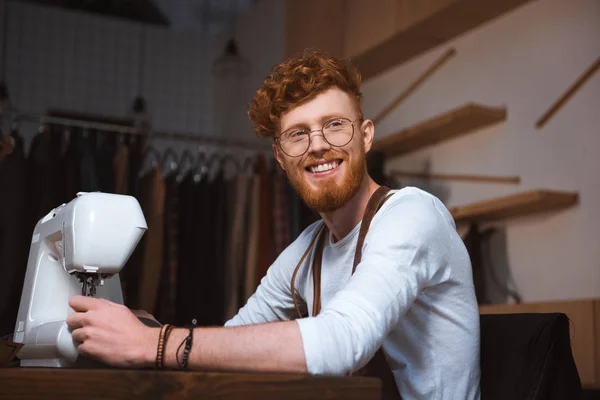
x=523, y=61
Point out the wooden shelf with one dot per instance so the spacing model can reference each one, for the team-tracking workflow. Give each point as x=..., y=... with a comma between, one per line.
x=535, y=201
x=455, y=18
x=449, y=125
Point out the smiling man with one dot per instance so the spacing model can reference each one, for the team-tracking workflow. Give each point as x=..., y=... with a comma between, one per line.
x=381, y=285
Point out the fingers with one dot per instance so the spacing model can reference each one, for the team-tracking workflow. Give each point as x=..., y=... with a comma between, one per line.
x=85, y=303
x=77, y=320
x=88, y=349
x=81, y=335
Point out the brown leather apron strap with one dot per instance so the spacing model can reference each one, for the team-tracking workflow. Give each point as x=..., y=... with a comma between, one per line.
x=375, y=202
x=293, y=285
x=378, y=365
x=316, y=271
x=378, y=198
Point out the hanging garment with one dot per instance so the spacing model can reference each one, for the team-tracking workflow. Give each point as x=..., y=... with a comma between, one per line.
x=281, y=216
x=69, y=182
x=474, y=244
x=14, y=234
x=43, y=176
x=87, y=163
x=500, y=283
x=204, y=268
x=294, y=211
x=489, y=260
x=121, y=168
x=167, y=295
x=307, y=216
x=221, y=213
x=376, y=167
x=234, y=269
x=250, y=282
x=377, y=366
x=136, y=161
x=266, y=254
x=153, y=206
x=104, y=157
x=189, y=273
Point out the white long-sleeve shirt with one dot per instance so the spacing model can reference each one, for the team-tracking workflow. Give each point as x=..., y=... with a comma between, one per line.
x=412, y=294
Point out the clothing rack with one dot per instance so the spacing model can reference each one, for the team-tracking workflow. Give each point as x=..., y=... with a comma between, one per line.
x=132, y=130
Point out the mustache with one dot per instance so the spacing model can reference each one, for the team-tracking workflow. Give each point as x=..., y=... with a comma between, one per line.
x=329, y=155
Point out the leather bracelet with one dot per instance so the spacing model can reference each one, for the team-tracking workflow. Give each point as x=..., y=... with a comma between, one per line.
x=188, y=346
x=160, y=351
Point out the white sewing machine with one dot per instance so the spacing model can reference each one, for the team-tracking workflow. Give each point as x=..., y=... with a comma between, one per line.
x=77, y=248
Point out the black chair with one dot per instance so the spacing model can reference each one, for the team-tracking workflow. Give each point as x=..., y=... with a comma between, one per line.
x=528, y=357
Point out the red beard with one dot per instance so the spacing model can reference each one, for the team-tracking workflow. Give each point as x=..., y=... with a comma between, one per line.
x=329, y=196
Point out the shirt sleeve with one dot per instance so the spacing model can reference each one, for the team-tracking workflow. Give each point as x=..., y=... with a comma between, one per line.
x=273, y=299
x=407, y=246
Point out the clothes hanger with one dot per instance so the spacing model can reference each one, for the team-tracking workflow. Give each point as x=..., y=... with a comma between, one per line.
x=151, y=154
x=248, y=165
x=200, y=167
x=232, y=160
x=14, y=130
x=172, y=165
x=186, y=155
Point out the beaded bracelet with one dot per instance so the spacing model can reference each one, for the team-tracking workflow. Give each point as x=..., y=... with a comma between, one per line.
x=162, y=342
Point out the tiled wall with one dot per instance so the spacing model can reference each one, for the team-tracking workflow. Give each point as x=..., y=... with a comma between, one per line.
x=81, y=62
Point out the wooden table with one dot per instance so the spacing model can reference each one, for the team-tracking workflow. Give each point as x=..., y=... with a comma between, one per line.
x=35, y=383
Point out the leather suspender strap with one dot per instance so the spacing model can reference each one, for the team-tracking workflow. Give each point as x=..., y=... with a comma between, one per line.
x=378, y=365
x=375, y=202
x=308, y=249
x=378, y=198
x=316, y=271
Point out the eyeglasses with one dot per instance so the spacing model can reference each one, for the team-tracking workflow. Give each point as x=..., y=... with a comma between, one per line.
x=338, y=132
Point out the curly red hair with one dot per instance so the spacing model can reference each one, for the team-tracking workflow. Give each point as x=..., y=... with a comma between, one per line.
x=297, y=80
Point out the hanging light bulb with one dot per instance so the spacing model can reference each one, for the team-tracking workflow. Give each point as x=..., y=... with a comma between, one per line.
x=231, y=62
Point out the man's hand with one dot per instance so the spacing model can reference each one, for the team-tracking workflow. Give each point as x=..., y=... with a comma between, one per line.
x=111, y=333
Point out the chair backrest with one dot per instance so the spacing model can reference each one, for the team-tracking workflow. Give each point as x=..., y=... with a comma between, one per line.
x=527, y=356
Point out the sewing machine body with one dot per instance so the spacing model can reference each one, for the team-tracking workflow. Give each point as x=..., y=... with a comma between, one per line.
x=82, y=244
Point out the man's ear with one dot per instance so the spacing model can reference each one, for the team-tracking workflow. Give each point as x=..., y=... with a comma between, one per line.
x=278, y=156
x=368, y=129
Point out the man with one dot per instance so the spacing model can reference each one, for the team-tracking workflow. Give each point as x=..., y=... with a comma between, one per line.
x=411, y=295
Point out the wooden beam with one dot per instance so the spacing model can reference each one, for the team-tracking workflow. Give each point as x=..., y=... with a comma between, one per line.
x=413, y=86
x=449, y=22
x=568, y=94
x=458, y=177
x=452, y=124
x=314, y=24
x=515, y=205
